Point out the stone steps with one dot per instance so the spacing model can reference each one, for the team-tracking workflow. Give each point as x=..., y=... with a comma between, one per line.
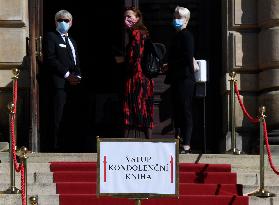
x=32, y=167
x=4, y=146
x=32, y=178
x=263, y=201
x=8, y=199
x=201, y=158
x=47, y=178
x=34, y=189
x=251, y=188
x=15, y=199
x=40, y=179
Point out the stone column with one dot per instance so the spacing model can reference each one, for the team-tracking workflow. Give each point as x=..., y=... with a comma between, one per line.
x=240, y=40
x=13, y=33
x=268, y=21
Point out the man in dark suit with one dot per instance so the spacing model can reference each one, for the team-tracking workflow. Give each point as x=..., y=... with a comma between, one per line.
x=61, y=69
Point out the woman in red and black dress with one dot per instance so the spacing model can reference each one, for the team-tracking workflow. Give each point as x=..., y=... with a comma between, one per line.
x=138, y=93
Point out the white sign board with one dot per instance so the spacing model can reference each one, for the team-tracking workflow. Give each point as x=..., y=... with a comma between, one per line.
x=201, y=74
x=144, y=167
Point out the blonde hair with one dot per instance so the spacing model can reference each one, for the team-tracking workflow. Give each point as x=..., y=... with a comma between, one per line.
x=182, y=12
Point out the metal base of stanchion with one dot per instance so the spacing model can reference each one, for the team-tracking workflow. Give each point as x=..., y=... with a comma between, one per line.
x=262, y=193
x=138, y=200
x=12, y=190
x=234, y=151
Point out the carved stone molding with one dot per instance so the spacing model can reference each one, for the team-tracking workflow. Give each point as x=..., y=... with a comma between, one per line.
x=269, y=48
x=271, y=101
x=269, y=79
x=245, y=82
x=13, y=41
x=268, y=13
x=243, y=14
x=243, y=51
x=13, y=12
x=5, y=78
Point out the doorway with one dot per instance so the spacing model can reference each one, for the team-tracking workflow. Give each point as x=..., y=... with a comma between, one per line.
x=99, y=33
x=206, y=26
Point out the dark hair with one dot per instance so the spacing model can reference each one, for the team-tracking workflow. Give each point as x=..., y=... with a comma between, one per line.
x=139, y=25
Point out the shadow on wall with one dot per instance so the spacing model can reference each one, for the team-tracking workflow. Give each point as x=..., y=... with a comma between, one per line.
x=5, y=99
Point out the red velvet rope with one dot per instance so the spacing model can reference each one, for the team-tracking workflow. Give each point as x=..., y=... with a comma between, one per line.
x=268, y=150
x=23, y=185
x=18, y=168
x=253, y=120
x=15, y=94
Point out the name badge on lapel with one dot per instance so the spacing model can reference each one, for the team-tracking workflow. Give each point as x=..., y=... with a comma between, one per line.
x=62, y=45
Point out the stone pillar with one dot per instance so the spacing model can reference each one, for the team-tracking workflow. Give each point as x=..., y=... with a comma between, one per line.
x=268, y=21
x=240, y=40
x=13, y=33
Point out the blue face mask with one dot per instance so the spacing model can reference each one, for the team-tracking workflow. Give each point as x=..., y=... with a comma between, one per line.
x=63, y=27
x=177, y=23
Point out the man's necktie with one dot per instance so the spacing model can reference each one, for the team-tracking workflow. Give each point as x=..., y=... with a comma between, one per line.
x=69, y=49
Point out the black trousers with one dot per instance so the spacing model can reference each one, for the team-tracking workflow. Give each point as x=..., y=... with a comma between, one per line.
x=182, y=92
x=58, y=103
x=138, y=133
x=52, y=102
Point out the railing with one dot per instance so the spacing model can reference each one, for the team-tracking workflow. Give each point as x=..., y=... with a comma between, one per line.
x=22, y=153
x=261, y=191
x=233, y=149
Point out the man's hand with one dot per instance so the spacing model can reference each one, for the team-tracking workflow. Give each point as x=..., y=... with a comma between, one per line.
x=73, y=80
x=165, y=67
x=119, y=59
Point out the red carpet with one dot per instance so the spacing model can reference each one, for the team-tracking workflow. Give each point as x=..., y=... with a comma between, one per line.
x=199, y=184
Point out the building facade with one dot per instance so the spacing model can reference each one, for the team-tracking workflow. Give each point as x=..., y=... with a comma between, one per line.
x=246, y=34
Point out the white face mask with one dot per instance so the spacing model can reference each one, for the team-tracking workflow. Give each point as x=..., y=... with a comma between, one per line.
x=63, y=27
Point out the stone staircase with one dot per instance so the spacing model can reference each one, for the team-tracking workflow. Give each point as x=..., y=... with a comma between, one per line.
x=40, y=181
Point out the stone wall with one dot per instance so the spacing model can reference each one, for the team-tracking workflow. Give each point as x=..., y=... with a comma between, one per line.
x=13, y=34
x=242, y=56
x=252, y=45
x=268, y=21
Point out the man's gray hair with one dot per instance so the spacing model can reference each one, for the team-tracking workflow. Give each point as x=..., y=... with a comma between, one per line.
x=64, y=14
x=182, y=12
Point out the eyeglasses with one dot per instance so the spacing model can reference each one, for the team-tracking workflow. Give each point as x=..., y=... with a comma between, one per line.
x=65, y=20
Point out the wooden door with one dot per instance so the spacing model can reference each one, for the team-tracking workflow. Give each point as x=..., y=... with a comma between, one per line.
x=35, y=55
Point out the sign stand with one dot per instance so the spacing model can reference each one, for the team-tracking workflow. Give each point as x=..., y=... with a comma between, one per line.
x=133, y=168
x=137, y=202
x=201, y=79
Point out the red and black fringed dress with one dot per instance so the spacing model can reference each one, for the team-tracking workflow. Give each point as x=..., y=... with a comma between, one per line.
x=138, y=94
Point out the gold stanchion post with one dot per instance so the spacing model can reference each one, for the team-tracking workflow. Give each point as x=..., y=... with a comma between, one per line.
x=261, y=192
x=233, y=149
x=12, y=189
x=23, y=154
x=33, y=200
